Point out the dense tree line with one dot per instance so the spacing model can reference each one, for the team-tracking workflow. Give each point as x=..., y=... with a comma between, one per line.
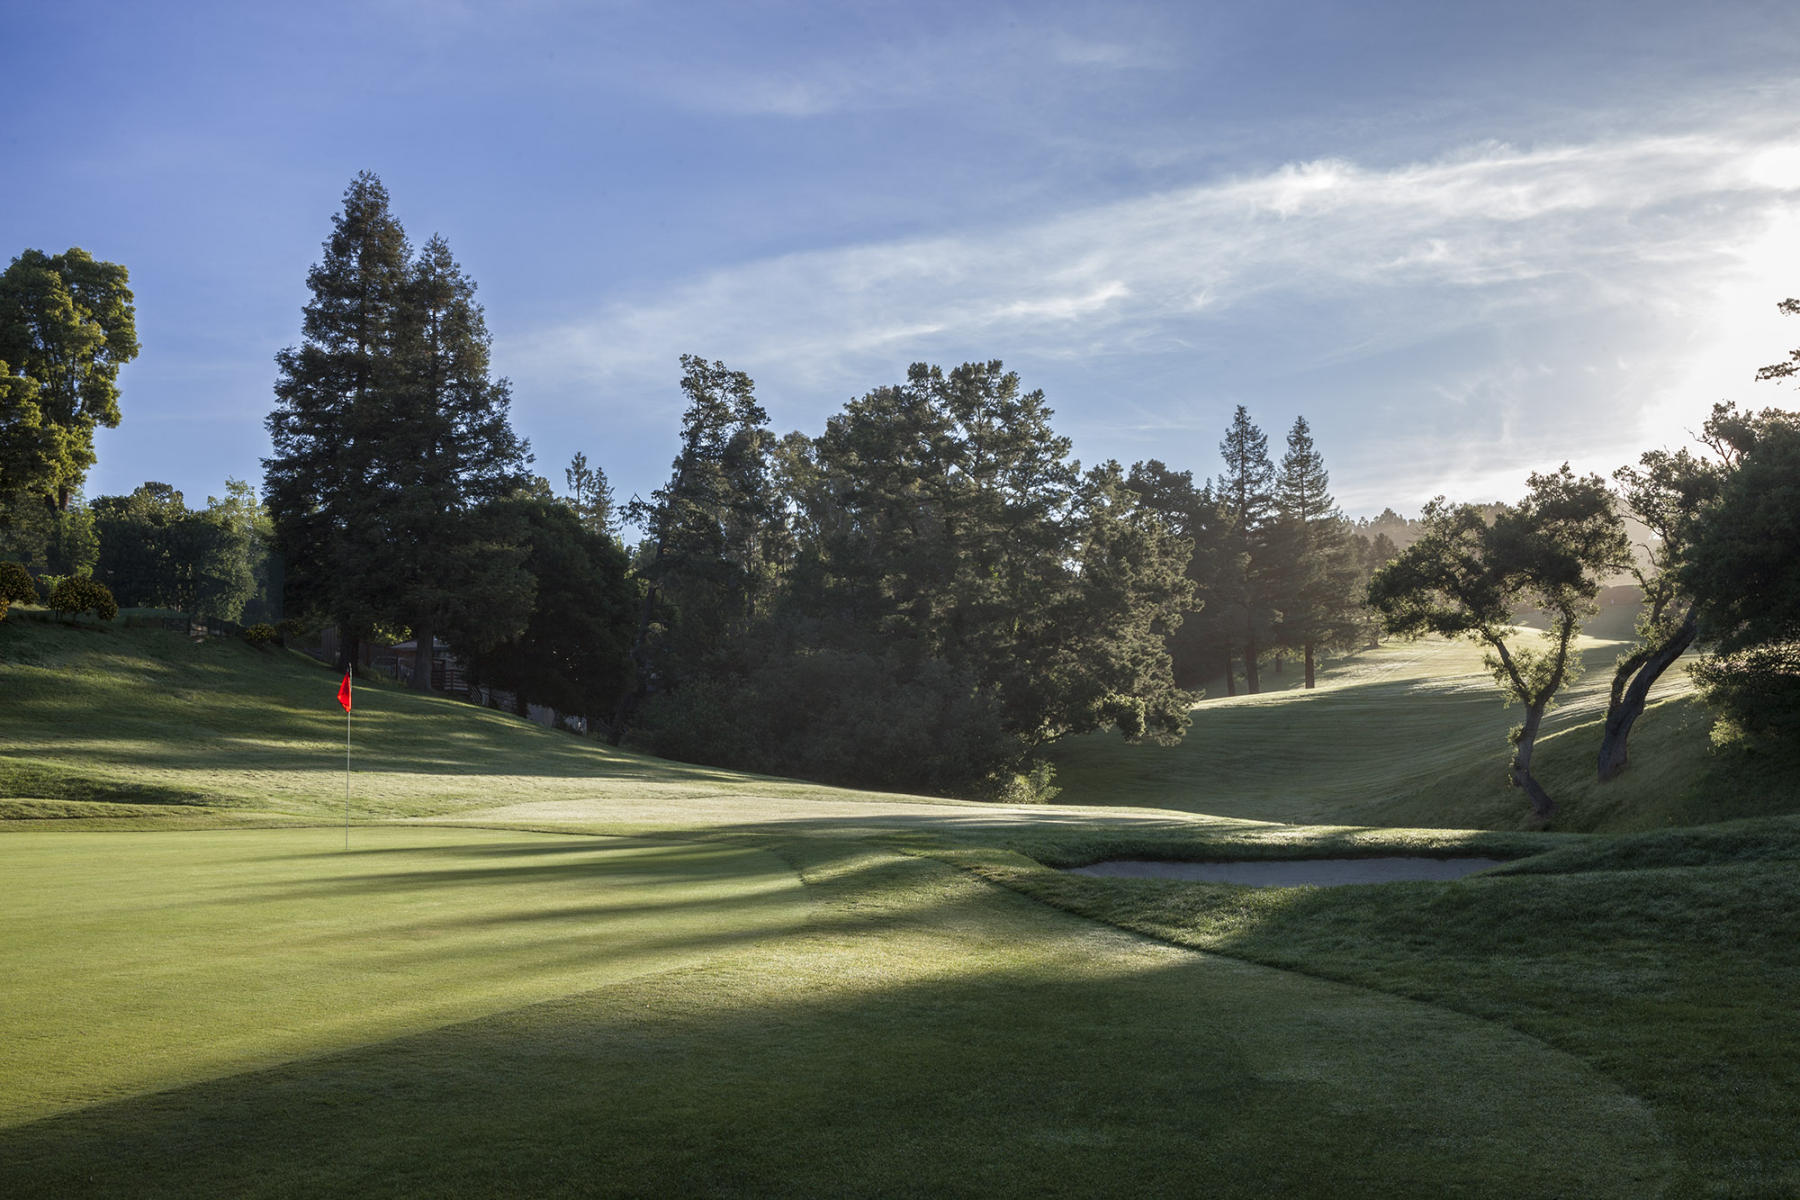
x=155, y=552
x=922, y=595
x=1277, y=570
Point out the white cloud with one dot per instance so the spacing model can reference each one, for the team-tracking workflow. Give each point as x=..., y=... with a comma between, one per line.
x=1654, y=244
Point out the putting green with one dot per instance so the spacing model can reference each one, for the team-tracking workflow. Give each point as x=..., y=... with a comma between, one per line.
x=903, y=1028
x=142, y=961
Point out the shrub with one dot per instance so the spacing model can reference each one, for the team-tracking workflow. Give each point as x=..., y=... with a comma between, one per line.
x=260, y=634
x=74, y=595
x=15, y=587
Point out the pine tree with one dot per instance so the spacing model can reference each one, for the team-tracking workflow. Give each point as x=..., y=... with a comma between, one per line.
x=445, y=449
x=329, y=393
x=1246, y=494
x=590, y=497
x=388, y=438
x=713, y=534
x=1313, y=569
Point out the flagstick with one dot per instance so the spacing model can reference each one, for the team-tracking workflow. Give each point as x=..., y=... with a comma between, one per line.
x=346, y=779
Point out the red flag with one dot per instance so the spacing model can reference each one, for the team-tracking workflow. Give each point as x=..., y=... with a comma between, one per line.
x=344, y=692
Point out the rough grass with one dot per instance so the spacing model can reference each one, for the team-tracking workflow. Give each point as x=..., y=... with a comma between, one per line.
x=758, y=986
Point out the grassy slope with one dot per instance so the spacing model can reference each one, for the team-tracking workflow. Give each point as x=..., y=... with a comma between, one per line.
x=1414, y=734
x=918, y=1032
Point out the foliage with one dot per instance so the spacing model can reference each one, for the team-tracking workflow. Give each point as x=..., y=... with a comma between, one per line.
x=1669, y=493
x=66, y=327
x=76, y=595
x=260, y=634
x=1247, y=499
x=1742, y=562
x=950, y=521
x=919, y=597
x=388, y=435
x=1465, y=577
x=15, y=587
x=241, y=512
x=155, y=552
x=574, y=653
x=590, y=496
x=1206, y=632
x=1314, y=568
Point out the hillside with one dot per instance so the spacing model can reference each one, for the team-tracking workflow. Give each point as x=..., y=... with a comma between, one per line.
x=585, y=971
x=1414, y=734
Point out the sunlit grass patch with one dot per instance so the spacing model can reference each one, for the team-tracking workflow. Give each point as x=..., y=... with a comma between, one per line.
x=140, y=961
x=919, y=1034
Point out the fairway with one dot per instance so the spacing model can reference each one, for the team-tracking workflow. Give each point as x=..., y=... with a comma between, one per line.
x=552, y=968
x=697, y=1028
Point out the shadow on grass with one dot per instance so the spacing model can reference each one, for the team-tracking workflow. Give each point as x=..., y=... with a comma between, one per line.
x=1662, y=960
x=902, y=1065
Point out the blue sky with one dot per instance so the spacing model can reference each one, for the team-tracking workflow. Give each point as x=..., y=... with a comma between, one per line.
x=1466, y=241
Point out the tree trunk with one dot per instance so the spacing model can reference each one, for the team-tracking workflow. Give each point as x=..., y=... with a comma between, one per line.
x=426, y=638
x=1280, y=662
x=1311, y=675
x=346, y=655
x=1230, y=676
x=1627, y=703
x=1542, y=806
x=1251, y=683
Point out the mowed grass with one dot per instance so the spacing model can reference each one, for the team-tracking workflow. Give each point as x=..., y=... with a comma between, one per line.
x=97, y=716
x=756, y=986
x=922, y=1034
x=1668, y=961
x=1415, y=734
x=226, y=950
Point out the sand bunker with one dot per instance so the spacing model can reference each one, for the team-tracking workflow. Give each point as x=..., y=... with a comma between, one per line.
x=1310, y=872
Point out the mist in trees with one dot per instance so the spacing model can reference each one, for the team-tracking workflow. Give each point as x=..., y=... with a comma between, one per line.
x=922, y=596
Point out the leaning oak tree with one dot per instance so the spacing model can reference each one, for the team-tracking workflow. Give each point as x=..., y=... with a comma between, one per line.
x=1666, y=492
x=1466, y=577
x=1672, y=494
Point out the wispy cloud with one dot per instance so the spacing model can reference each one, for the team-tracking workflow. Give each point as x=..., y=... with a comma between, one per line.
x=1500, y=274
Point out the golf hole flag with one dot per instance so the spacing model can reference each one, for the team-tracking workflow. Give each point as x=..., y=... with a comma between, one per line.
x=344, y=699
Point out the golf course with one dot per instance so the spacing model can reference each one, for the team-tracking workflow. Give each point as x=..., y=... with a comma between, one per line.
x=532, y=964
